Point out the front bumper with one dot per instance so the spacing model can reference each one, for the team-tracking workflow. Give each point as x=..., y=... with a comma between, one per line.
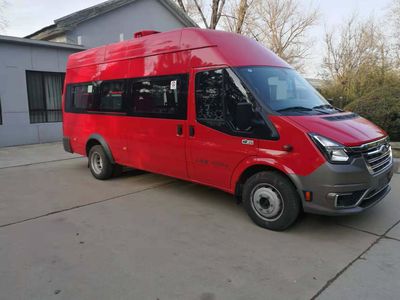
x=344, y=189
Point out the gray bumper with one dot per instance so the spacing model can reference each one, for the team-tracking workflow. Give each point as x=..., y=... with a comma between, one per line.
x=67, y=145
x=343, y=189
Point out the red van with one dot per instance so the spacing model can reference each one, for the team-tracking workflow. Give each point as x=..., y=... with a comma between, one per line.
x=219, y=109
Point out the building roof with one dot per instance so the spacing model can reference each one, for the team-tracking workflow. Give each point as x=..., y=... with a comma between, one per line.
x=68, y=22
x=316, y=83
x=17, y=40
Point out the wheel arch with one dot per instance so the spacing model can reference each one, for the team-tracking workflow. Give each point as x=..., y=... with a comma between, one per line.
x=249, y=168
x=97, y=139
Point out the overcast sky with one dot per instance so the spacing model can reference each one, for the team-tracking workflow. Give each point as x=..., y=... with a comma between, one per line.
x=27, y=16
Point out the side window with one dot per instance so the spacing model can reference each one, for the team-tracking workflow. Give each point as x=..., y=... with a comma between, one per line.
x=210, y=95
x=235, y=93
x=218, y=93
x=160, y=97
x=81, y=97
x=109, y=96
x=112, y=96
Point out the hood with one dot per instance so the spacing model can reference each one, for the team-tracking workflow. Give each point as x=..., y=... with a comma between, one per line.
x=348, y=129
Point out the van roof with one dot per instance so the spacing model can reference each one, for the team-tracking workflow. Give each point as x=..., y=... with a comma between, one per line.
x=232, y=49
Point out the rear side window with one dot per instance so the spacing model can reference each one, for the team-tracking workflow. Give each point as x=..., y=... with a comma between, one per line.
x=153, y=97
x=112, y=95
x=106, y=96
x=82, y=97
x=160, y=97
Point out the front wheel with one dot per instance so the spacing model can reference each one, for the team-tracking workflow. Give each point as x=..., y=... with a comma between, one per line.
x=271, y=200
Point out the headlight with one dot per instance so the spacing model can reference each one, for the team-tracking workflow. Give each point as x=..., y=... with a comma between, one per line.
x=333, y=151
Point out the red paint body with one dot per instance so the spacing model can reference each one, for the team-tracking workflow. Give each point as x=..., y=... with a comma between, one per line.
x=210, y=157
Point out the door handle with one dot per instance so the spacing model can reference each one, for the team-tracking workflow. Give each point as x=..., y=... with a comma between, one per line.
x=179, y=129
x=191, y=130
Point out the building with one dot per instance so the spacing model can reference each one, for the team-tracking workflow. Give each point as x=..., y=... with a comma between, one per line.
x=316, y=83
x=32, y=69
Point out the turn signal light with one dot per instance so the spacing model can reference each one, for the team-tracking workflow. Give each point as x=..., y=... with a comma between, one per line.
x=308, y=196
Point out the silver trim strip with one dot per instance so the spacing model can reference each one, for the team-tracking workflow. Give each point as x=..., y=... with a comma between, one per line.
x=362, y=198
x=372, y=160
x=366, y=146
x=385, y=161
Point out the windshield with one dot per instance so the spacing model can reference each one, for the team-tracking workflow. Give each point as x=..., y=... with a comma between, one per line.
x=283, y=90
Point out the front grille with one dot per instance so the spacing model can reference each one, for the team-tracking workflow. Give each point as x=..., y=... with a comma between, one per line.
x=378, y=158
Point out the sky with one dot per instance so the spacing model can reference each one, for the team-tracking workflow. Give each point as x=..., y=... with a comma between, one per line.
x=27, y=16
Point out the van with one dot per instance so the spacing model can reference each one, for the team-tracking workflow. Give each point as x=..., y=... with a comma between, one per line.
x=219, y=109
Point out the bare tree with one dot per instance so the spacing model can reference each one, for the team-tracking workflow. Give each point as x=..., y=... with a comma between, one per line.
x=208, y=12
x=358, y=44
x=236, y=18
x=357, y=60
x=394, y=17
x=283, y=26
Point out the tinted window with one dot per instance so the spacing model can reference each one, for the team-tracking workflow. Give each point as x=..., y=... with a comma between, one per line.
x=209, y=95
x=108, y=96
x=82, y=97
x=217, y=94
x=156, y=97
x=112, y=96
x=162, y=97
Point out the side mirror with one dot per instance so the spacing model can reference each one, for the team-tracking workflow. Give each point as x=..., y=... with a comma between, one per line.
x=244, y=115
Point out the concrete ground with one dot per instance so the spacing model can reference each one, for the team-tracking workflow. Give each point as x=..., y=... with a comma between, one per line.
x=65, y=235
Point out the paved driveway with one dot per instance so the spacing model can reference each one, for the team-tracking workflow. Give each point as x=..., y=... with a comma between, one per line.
x=65, y=235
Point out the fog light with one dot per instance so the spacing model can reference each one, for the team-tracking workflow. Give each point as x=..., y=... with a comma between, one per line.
x=347, y=200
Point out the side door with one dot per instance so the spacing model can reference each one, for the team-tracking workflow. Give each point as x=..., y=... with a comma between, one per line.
x=216, y=144
x=157, y=127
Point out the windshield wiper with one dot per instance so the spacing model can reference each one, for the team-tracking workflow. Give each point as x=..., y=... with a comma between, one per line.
x=324, y=106
x=299, y=108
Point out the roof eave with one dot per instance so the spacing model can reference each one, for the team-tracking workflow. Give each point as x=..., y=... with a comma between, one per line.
x=179, y=13
x=39, y=43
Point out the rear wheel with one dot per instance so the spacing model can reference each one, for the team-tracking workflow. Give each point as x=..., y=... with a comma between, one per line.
x=271, y=200
x=99, y=163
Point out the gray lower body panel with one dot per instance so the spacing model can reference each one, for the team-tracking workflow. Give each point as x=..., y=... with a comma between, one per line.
x=67, y=144
x=343, y=189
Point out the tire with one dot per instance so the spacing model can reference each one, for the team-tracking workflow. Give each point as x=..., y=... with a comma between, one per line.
x=271, y=200
x=99, y=163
